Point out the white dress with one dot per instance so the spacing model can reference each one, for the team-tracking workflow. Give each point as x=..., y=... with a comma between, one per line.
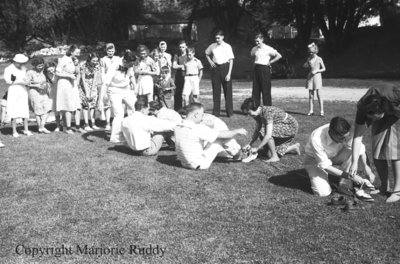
x=145, y=81
x=18, y=97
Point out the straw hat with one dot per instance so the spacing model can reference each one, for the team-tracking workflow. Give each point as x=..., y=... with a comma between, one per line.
x=20, y=58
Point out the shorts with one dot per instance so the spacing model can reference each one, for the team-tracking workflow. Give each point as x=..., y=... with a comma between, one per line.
x=191, y=85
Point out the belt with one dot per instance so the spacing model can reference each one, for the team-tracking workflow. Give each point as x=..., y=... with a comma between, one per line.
x=191, y=75
x=221, y=64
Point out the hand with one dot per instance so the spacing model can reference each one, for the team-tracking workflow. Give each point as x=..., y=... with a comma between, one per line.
x=254, y=150
x=314, y=72
x=353, y=169
x=100, y=105
x=212, y=64
x=371, y=176
x=13, y=77
x=247, y=147
x=228, y=77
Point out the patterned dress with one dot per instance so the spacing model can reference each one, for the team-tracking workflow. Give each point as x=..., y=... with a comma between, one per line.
x=284, y=129
x=90, y=83
x=38, y=96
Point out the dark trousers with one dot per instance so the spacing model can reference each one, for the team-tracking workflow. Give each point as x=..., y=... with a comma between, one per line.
x=262, y=84
x=179, y=82
x=218, y=75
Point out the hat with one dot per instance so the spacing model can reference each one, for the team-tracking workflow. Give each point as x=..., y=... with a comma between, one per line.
x=110, y=46
x=20, y=58
x=162, y=43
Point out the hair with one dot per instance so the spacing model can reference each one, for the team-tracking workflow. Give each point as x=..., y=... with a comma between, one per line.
x=164, y=68
x=259, y=36
x=37, y=61
x=154, y=52
x=155, y=105
x=110, y=46
x=71, y=49
x=193, y=107
x=90, y=56
x=191, y=50
x=162, y=43
x=141, y=48
x=46, y=70
x=129, y=56
x=313, y=48
x=219, y=32
x=371, y=105
x=339, y=125
x=181, y=42
x=141, y=103
x=249, y=104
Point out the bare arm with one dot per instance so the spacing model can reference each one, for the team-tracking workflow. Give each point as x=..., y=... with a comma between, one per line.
x=268, y=136
x=228, y=76
x=359, y=131
x=277, y=57
x=226, y=134
x=210, y=61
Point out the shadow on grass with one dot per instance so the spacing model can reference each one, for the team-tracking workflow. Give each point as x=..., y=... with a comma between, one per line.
x=124, y=149
x=98, y=133
x=169, y=160
x=296, y=179
x=296, y=113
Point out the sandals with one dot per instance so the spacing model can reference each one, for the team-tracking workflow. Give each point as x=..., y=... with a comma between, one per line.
x=394, y=197
x=310, y=113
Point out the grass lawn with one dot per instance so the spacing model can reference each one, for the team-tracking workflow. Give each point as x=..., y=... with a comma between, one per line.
x=81, y=190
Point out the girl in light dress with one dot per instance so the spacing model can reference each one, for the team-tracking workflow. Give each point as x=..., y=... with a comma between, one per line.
x=18, y=98
x=145, y=68
x=316, y=66
x=50, y=73
x=38, y=89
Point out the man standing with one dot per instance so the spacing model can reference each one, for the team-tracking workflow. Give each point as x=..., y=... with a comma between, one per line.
x=220, y=56
x=264, y=56
x=196, y=144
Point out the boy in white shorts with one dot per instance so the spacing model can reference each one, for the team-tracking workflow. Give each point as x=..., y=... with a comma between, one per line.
x=193, y=74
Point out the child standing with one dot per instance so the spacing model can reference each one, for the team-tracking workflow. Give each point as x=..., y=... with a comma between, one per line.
x=315, y=65
x=145, y=68
x=193, y=74
x=165, y=88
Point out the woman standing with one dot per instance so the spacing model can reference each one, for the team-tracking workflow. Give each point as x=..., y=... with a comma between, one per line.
x=18, y=98
x=66, y=73
x=146, y=68
x=50, y=73
x=89, y=87
x=379, y=109
x=120, y=83
x=275, y=128
x=38, y=87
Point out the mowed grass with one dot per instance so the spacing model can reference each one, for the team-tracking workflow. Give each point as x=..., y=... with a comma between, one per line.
x=82, y=190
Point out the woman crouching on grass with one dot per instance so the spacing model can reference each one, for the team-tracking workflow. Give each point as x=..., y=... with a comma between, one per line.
x=275, y=128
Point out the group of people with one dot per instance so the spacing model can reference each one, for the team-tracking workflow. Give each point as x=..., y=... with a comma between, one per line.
x=161, y=110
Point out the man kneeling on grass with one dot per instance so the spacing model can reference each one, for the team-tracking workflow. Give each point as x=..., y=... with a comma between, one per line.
x=143, y=133
x=330, y=145
x=196, y=144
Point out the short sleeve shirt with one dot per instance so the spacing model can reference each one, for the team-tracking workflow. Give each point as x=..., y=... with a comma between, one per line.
x=116, y=77
x=262, y=55
x=220, y=53
x=193, y=66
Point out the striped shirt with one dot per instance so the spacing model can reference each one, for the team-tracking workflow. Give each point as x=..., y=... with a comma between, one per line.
x=190, y=141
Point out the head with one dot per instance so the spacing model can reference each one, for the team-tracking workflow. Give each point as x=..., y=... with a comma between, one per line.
x=141, y=105
x=259, y=39
x=250, y=107
x=182, y=47
x=110, y=50
x=19, y=60
x=142, y=51
x=195, y=112
x=92, y=59
x=372, y=106
x=154, y=107
x=155, y=54
x=190, y=52
x=73, y=51
x=164, y=71
x=339, y=129
x=50, y=67
x=312, y=48
x=219, y=36
x=128, y=59
x=38, y=63
x=162, y=46
x=75, y=60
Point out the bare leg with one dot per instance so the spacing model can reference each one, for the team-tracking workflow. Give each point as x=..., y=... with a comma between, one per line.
x=39, y=122
x=321, y=102
x=108, y=116
x=44, y=119
x=311, y=102
x=293, y=149
x=382, y=168
x=68, y=117
x=14, y=125
x=26, y=128
x=271, y=146
x=78, y=118
x=91, y=115
x=185, y=99
x=85, y=117
x=58, y=120
x=396, y=174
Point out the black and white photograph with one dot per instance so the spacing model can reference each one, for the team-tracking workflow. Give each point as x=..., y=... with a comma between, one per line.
x=199, y=131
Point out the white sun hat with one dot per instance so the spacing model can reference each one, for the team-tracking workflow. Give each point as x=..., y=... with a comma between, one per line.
x=20, y=58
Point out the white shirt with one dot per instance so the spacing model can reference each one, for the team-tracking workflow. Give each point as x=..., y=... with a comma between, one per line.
x=221, y=53
x=320, y=148
x=213, y=122
x=193, y=66
x=107, y=63
x=170, y=115
x=190, y=141
x=115, y=78
x=262, y=55
x=137, y=129
x=20, y=74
